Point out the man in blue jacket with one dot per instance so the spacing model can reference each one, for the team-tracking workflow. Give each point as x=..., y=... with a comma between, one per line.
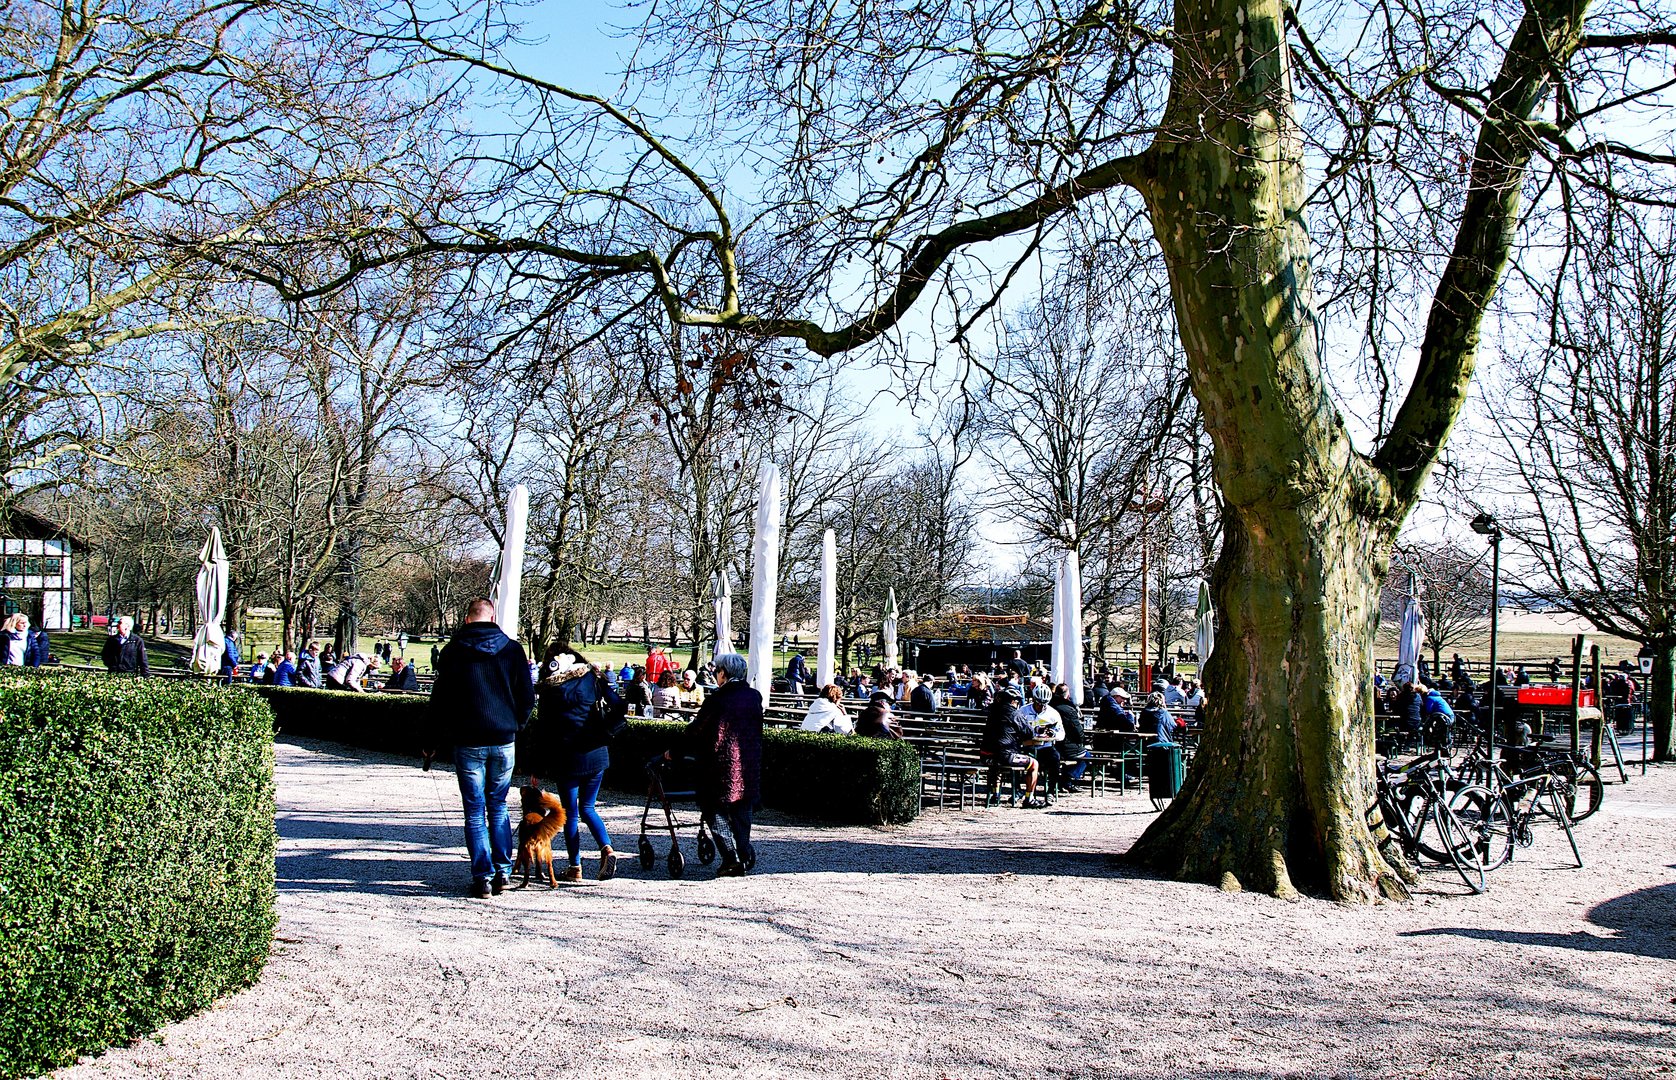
x=230, y=657
x=482, y=696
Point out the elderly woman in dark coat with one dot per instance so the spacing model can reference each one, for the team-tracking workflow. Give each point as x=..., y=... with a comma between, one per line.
x=725, y=738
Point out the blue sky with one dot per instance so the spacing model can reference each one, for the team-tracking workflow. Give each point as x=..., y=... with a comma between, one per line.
x=580, y=49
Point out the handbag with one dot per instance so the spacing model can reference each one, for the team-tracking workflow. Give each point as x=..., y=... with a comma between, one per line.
x=608, y=714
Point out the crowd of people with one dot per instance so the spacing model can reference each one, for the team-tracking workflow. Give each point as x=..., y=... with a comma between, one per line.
x=1420, y=707
x=319, y=666
x=1030, y=723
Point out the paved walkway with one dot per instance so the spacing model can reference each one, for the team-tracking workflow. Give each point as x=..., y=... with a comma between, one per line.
x=970, y=944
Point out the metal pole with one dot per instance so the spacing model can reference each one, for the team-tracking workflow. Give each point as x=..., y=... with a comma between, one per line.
x=1495, y=619
x=1600, y=707
x=1145, y=674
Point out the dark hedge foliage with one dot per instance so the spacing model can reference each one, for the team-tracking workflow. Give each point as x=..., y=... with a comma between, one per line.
x=392, y=723
x=828, y=777
x=136, y=858
x=825, y=777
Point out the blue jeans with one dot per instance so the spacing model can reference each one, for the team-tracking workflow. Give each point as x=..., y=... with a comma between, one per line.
x=485, y=774
x=578, y=801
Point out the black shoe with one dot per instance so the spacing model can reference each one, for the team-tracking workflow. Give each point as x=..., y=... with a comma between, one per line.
x=498, y=886
x=749, y=862
x=731, y=869
x=480, y=889
x=1070, y=789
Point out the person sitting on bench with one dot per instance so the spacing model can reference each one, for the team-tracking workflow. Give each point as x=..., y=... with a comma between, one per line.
x=876, y=720
x=826, y=715
x=1007, y=738
x=1073, y=749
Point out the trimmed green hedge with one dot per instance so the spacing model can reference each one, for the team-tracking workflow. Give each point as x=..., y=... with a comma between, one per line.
x=826, y=777
x=392, y=723
x=831, y=777
x=136, y=858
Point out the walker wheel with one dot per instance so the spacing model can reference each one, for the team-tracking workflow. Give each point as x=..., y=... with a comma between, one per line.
x=677, y=863
x=648, y=855
x=706, y=848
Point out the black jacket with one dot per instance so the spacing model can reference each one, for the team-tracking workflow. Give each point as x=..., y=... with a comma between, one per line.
x=1007, y=730
x=405, y=679
x=1075, y=738
x=567, y=738
x=483, y=693
x=1411, y=710
x=921, y=700
x=127, y=656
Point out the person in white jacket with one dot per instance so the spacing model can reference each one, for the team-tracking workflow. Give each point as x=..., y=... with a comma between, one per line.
x=825, y=714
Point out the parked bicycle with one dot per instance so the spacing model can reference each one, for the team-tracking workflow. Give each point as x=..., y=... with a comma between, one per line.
x=1500, y=807
x=1421, y=795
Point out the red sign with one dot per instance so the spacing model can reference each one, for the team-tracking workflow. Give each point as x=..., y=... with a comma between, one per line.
x=1554, y=696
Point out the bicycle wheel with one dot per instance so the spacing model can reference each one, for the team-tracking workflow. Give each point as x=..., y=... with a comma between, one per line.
x=1414, y=808
x=1487, y=820
x=1587, y=790
x=1461, y=847
x=1555, y=797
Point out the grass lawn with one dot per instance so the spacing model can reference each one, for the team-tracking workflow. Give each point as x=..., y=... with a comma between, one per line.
x=83, y=647
x=1525, y=645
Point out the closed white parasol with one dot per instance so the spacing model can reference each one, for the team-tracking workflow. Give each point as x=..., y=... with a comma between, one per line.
x=509, y=570
x=209, y=642
x=891, y=617
x=829, y=609
x=765, y=579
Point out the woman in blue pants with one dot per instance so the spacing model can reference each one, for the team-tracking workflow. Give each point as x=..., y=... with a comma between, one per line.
x=567, y=741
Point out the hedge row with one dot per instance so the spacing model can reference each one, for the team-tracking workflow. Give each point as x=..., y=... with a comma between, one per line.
x=136, y=858
x=829, y=777
x=826, y=777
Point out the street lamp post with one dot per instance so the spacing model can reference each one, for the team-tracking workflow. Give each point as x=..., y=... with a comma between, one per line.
x=1485, y=525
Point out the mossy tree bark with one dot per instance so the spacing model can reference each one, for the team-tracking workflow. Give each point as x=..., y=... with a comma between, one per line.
x=1661, y=701
x=1280, y=794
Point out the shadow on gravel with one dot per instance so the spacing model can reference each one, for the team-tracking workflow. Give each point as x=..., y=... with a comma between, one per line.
x=1643, y=921
x=851, y=856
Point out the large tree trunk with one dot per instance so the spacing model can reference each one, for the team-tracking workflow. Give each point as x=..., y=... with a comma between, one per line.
x=1280, y=794
x=1280, y=790
x=1661, y=701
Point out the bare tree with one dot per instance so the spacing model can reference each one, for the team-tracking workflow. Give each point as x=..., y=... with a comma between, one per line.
x=1590, y=440
x=1452, y=584
x=133, y=133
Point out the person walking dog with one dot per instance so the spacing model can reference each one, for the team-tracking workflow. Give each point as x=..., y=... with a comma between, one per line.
x=481, y=697
x=569, y=739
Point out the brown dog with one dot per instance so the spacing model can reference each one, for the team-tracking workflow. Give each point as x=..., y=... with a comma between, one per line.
x=543, y=820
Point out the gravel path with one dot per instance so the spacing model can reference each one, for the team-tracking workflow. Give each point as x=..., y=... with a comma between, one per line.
x=992, y=943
